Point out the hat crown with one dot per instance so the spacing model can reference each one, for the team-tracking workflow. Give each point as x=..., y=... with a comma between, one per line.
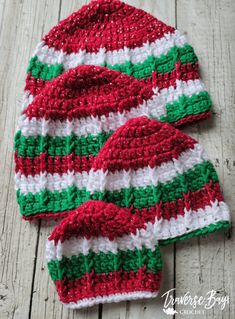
x=139, y=143
x=107, y=6
x=108, y=24
x=92, y=218
x=88, y=90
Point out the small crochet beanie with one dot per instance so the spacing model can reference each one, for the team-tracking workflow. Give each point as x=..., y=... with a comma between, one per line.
x=121, y=37
x=165, y=178
x=62, y=130
x=97, y=255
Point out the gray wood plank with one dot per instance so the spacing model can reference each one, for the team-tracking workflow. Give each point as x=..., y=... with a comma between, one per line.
x=208, y=263
x=67, y=7
x=21, y=23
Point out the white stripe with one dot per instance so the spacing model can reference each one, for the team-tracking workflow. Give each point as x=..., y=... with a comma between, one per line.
x=162, y=46
x=91, y=125
x=89, y=302
x=100, y=180
x=148, y=237
x=154, y=107
x=26, y=100
x=52, y=182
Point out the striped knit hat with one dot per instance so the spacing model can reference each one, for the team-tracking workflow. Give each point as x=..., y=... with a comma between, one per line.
x=163, y=176
x=63, y=128
x=121, y=37
x=97, y=255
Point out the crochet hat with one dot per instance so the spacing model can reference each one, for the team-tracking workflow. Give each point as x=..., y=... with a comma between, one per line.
x=97, y=255
x=63, y=128
x=121, y=37
x=163, y=176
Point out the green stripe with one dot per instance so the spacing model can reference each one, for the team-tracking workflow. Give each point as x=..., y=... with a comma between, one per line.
x=186, y=106
x=91, y=144
x=71, y=198
x=55, y=202
x=78, y=266
x=163, y=64
x=198, y=232
x=192, y=180
x=40, y=70
x=60, y=146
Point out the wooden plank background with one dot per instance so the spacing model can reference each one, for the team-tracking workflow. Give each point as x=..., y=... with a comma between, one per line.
x=196, y=265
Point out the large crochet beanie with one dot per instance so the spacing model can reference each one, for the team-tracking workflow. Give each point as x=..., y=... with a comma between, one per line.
x=163, y=176
x=121, y=37
x=62, y=130
x=97, y=255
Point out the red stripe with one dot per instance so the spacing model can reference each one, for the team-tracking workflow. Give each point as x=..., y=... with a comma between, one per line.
x=159, y=144
x=139, y=143
x=54, y=216
x=112, y=25
x=98, y=285
x=58, y=164
x=192, y=119
x=97, y=218
x=184, y=72
x=34, y=85
x=142, y=142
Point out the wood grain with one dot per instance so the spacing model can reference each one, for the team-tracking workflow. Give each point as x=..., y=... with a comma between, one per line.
x=196, y=265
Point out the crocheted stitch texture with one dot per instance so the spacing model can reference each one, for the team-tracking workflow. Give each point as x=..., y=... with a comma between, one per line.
x=104, y=266
x=160, y=173
x=62, y=130
x=163, y=176
x=121, y=37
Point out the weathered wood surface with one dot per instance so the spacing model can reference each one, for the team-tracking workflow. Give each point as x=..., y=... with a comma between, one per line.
x=196, y=265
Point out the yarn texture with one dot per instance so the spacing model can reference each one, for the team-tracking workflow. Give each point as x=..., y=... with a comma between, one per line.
x=121, y=37
x=97, y=267
x=164, y=176
x=62, y=130
x=98, y=148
